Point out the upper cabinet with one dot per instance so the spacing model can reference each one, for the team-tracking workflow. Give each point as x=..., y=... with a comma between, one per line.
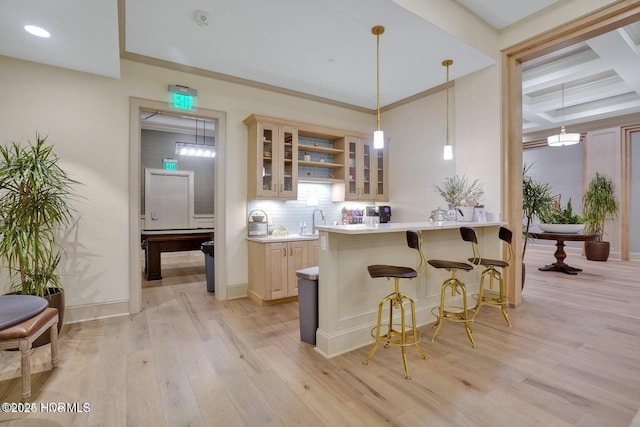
x=282, y=153
x=366, y=175
x=273, y=161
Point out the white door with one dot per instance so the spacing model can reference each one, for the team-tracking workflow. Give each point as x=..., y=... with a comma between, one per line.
x=168, y=199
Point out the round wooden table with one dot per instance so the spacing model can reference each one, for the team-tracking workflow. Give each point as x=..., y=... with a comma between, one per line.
x=560, y=255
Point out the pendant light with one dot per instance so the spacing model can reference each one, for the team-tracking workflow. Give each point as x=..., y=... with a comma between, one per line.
x=563, y=138
x=378, y=135
x=196, y=149
x=448, y=148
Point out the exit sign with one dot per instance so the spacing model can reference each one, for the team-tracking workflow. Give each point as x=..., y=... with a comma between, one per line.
x=182, y=97
x=170, y=164
x=182, y=102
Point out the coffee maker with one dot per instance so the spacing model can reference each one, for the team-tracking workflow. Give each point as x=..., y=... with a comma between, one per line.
x=385, y=214
x=377, y=214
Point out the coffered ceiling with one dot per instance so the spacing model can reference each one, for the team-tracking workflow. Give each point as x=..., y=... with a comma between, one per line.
x=601, y=79
x=324, y=50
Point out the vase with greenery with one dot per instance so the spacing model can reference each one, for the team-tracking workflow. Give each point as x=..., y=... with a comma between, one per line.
x=35, y=196
x=458, y=191
x=599, y=204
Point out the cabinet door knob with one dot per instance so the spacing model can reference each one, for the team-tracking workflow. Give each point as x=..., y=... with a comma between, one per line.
x=284, y=252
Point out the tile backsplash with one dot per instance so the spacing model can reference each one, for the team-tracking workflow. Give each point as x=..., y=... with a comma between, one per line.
x=291, y=213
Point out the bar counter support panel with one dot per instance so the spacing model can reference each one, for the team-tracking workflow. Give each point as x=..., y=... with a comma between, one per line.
x=348, y=298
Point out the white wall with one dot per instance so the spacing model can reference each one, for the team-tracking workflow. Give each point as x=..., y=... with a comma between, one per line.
x=87, y=117
x=418, y=134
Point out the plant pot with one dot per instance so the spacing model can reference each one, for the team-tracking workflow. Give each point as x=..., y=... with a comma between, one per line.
x=56, y=300
x=597, y=251
x=465, y=213
x=561, y=228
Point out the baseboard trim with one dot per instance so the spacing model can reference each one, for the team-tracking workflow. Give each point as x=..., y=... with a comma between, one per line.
x=83, y=313
x=237, y=291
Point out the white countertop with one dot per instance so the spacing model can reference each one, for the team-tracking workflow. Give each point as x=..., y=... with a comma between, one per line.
x=394, y=227
x=287, y=238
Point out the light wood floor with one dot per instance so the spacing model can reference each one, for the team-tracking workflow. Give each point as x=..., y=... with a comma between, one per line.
x=572, y=358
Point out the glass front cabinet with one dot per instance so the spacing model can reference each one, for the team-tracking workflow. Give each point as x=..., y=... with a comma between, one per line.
x=272, y=161
x=366, y=177
x=282, y=153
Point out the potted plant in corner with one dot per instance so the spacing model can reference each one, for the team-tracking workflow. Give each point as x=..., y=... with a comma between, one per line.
x=599, y=203
x=35, y=195
x=537, y=201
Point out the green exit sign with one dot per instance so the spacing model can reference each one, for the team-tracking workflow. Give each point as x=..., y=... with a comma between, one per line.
x=182, y=101
x=170, y=164
x=182, y=97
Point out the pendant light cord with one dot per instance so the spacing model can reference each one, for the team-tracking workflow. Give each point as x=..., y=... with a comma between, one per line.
x=447, y=103
x=562, y=127
x=378, y=79
x=447, y=63
x=377, y=30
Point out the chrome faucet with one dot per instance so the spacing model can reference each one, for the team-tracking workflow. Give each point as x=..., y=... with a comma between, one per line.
x=313, y=220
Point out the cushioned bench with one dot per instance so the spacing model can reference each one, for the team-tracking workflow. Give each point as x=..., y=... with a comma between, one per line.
x=23, y=318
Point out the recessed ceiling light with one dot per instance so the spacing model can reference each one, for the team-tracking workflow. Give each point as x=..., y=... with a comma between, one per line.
x=37, y=31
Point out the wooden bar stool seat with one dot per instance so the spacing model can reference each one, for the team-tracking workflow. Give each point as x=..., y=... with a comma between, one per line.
x=457, y=286
x=398, y=334
x=22, y=335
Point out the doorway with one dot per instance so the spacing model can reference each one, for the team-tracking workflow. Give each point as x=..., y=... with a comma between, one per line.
x=138, y=106
x=597, y=23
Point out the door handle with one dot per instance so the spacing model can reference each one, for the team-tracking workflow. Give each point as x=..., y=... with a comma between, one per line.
x=284, y=253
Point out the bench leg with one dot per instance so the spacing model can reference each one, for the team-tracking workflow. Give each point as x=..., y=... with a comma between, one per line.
x=25, y=368
x=54, y=344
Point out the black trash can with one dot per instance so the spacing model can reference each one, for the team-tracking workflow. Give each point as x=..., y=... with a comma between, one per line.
x=308, y=303
x=207, y=249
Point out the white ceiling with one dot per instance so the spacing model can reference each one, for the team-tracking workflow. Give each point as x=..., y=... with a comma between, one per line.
x=324, y=49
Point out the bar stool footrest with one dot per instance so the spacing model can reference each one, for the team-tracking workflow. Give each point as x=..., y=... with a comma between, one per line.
x=491, y=298
x=394, y=336
x=452, y=314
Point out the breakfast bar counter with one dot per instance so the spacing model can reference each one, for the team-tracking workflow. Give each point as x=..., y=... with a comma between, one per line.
x=348, y=298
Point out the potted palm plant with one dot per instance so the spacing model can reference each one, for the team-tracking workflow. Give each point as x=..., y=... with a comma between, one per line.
x=35, y=195
x=537, y=202
x=599, y=203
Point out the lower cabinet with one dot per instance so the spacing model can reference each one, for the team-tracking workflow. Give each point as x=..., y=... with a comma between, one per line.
x=273, y=266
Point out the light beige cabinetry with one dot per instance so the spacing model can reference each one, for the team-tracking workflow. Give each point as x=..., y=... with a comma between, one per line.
x=366, y=171
x=273, y=266
x=282, y=153
x=314, y=252
x=273, y=160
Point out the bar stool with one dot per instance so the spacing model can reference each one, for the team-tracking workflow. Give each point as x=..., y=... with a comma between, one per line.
x=452, y=313
x=491, y=266
x=398, y=337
